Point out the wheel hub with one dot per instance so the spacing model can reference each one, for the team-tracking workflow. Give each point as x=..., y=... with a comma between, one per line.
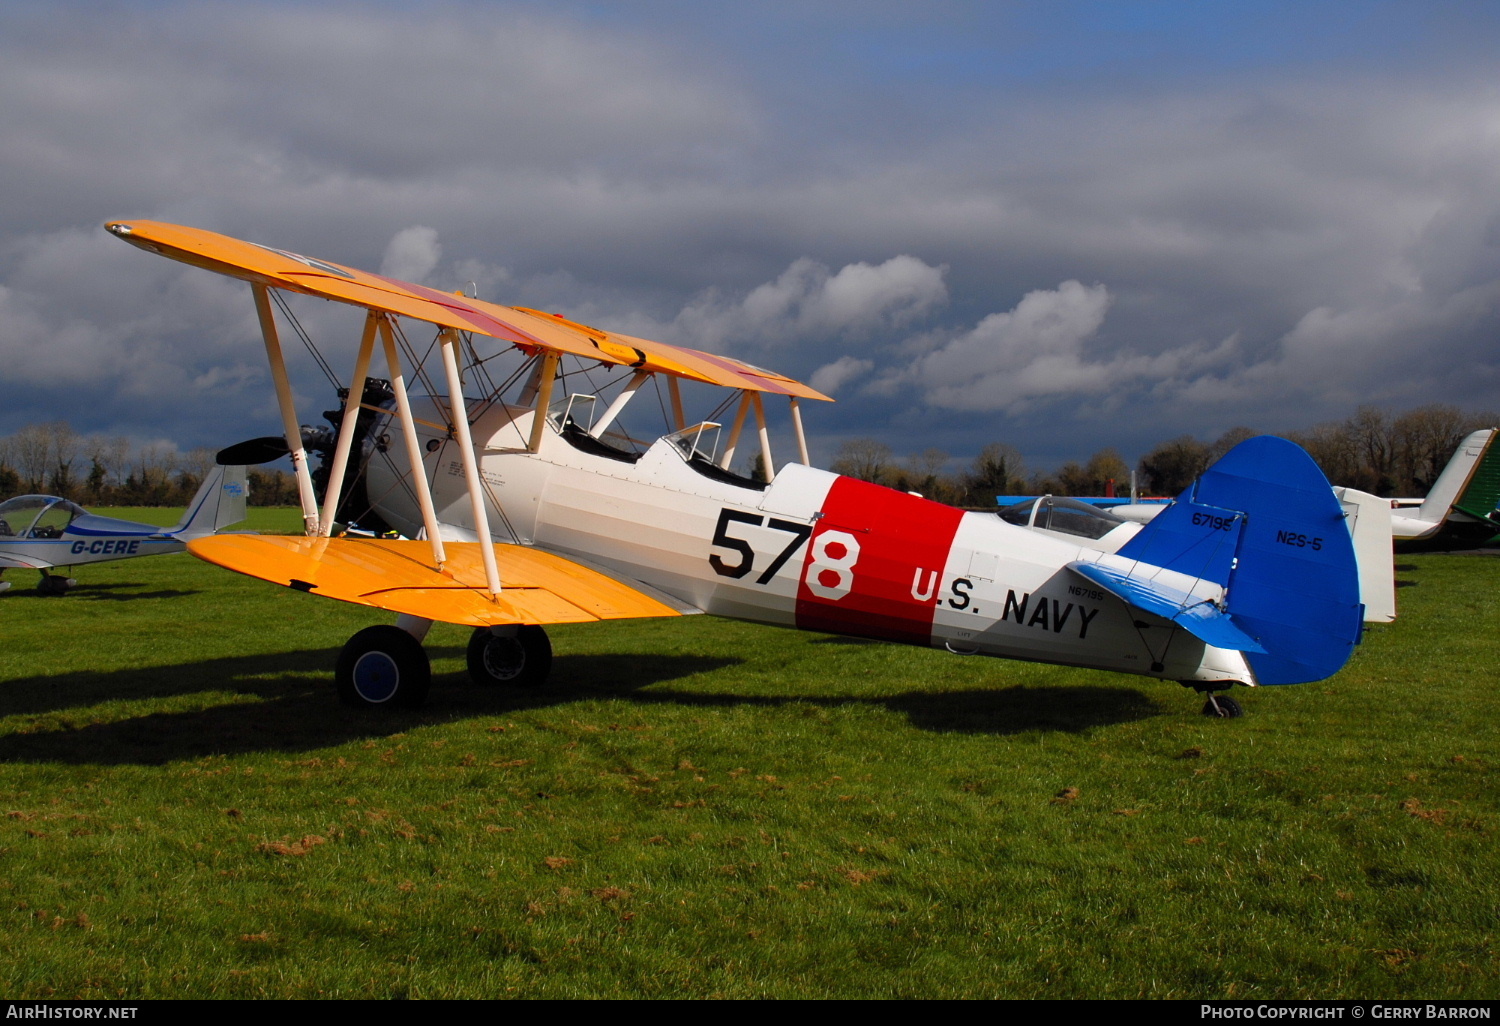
x=504, y=658
x=376, y=677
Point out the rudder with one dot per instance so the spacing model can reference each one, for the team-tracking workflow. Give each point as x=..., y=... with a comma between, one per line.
x=220, y=501
x=1264, y=523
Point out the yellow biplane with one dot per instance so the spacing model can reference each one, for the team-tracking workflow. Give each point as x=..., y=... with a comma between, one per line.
x=523, y=502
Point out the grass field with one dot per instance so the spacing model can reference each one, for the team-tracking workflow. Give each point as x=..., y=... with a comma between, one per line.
x=704, y=808
x=265, y=519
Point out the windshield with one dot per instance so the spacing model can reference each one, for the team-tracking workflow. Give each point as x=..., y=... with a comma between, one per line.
x=1063, y=515
x=36, y=516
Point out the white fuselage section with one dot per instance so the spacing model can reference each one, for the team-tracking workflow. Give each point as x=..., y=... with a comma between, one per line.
x=812, y=550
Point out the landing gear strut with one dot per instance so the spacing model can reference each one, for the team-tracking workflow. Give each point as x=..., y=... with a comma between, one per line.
x=1219, y=705
x=1222, y=706
x=519, y=657
x=383, y=667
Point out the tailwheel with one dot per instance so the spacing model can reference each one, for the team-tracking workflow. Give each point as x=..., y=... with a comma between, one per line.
x=1222, y=706
x=383, y=667
x=520, y=658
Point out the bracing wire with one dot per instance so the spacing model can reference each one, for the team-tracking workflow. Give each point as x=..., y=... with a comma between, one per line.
x=661, y=401
x=412, y=360
x=291, y=318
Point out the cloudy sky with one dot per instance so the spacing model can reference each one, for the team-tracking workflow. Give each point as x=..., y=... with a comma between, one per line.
x=1062, y=225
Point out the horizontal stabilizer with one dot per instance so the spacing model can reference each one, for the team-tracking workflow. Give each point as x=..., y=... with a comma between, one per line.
x=1200, y=615
x=399, y=576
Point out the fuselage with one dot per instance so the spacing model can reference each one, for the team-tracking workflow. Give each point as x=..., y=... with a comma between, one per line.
x=811, y=550
x=42, y=531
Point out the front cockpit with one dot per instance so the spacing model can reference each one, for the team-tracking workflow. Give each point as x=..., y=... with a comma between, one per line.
x=37, y=516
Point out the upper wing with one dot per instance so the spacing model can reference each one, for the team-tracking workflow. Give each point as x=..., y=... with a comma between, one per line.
x=530, y=329
x=538, y=588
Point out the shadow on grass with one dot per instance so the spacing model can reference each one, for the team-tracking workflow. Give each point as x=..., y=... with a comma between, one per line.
x=291, y=705
x=1012, y=710
x=114, y=592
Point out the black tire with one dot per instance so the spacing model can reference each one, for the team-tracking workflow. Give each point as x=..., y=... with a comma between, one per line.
x=522, y=660
x=53, y=584
x=383, y=667
x=1222, y=707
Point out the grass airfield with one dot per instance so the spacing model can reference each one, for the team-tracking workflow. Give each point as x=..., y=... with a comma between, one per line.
x=701, y=808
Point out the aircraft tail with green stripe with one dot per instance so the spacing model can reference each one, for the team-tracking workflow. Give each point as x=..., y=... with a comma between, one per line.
x=1460, y=510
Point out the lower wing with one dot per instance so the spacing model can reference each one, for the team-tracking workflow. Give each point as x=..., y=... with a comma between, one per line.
x=15, y=561
x=537, y=587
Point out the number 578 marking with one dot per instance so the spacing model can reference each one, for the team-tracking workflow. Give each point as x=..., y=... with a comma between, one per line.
x=723, y=540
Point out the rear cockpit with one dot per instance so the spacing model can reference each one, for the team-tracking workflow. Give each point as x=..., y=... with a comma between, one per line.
x=1060, y=515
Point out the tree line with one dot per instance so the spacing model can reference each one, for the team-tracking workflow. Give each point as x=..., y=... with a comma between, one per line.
x=1373, y=450
x=103, y=470
x=999, y=469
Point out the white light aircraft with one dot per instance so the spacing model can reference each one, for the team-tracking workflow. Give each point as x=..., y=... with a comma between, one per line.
x=43, y=532
x=527, y=505
x=1459, y=510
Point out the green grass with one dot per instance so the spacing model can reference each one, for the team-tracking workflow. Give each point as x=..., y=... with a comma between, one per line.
x=265, y=519
x=697, y=807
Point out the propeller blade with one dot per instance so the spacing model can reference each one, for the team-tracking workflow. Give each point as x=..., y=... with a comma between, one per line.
x=253, y=451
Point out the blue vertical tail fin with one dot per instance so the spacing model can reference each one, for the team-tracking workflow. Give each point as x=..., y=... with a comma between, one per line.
x=1264, y=524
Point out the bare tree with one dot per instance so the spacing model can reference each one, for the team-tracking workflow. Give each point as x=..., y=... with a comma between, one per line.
x=10, y=481
x=929, y=463
x=998, y=470
x=1172, y=465
x=1424, y=440
x=1334, y=447
x=154, y=463
x=924, y=475
x=864, y=458
x=31, y=447
x=1370, y=439
x=1228, y=440
x=192, y=467
x=1104, y=468
x=64, y=452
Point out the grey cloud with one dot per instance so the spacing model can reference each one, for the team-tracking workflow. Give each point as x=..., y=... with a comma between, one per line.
x=831, y=378
x=1279, y=247
x=412, y=255
x=807, y=302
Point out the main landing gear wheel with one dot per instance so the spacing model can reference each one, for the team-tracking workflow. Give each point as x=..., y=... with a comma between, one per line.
x=54, y=584
x=519, y=660
x=383, y=667
x=1222, y=706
